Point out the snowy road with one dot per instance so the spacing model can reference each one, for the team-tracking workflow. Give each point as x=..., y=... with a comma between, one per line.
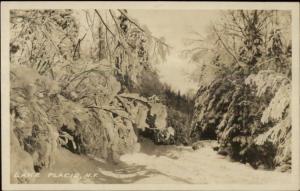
x=184, y=165
x=162, y=165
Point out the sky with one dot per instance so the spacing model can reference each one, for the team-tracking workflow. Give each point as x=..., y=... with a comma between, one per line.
x=175, y=26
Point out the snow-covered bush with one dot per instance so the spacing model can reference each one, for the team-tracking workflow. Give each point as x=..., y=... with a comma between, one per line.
x=246, y=106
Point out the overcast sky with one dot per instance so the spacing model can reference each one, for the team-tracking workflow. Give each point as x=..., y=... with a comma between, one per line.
x=175, y=26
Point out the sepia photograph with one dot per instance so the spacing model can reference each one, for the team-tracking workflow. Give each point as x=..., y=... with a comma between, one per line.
x=173, y=95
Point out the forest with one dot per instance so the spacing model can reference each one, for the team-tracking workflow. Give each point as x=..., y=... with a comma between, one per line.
x=246, y=104
x=102, y=98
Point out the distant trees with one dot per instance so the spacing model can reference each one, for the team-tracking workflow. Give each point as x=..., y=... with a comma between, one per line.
x=180, y=109
x=179, y=106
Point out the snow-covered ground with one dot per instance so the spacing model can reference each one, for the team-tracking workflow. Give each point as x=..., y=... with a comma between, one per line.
x=184, y=165
x=161, y=165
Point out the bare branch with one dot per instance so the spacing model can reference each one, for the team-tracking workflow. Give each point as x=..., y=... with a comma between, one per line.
x=111, y=111
x=91, y=25
x=120, y=43
x=113, y=34
x=78, y=46
x=142, y=100
x=131, y=20
x=227, y=49
x=107, y=44
x=134, y=23
x=113, y=17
